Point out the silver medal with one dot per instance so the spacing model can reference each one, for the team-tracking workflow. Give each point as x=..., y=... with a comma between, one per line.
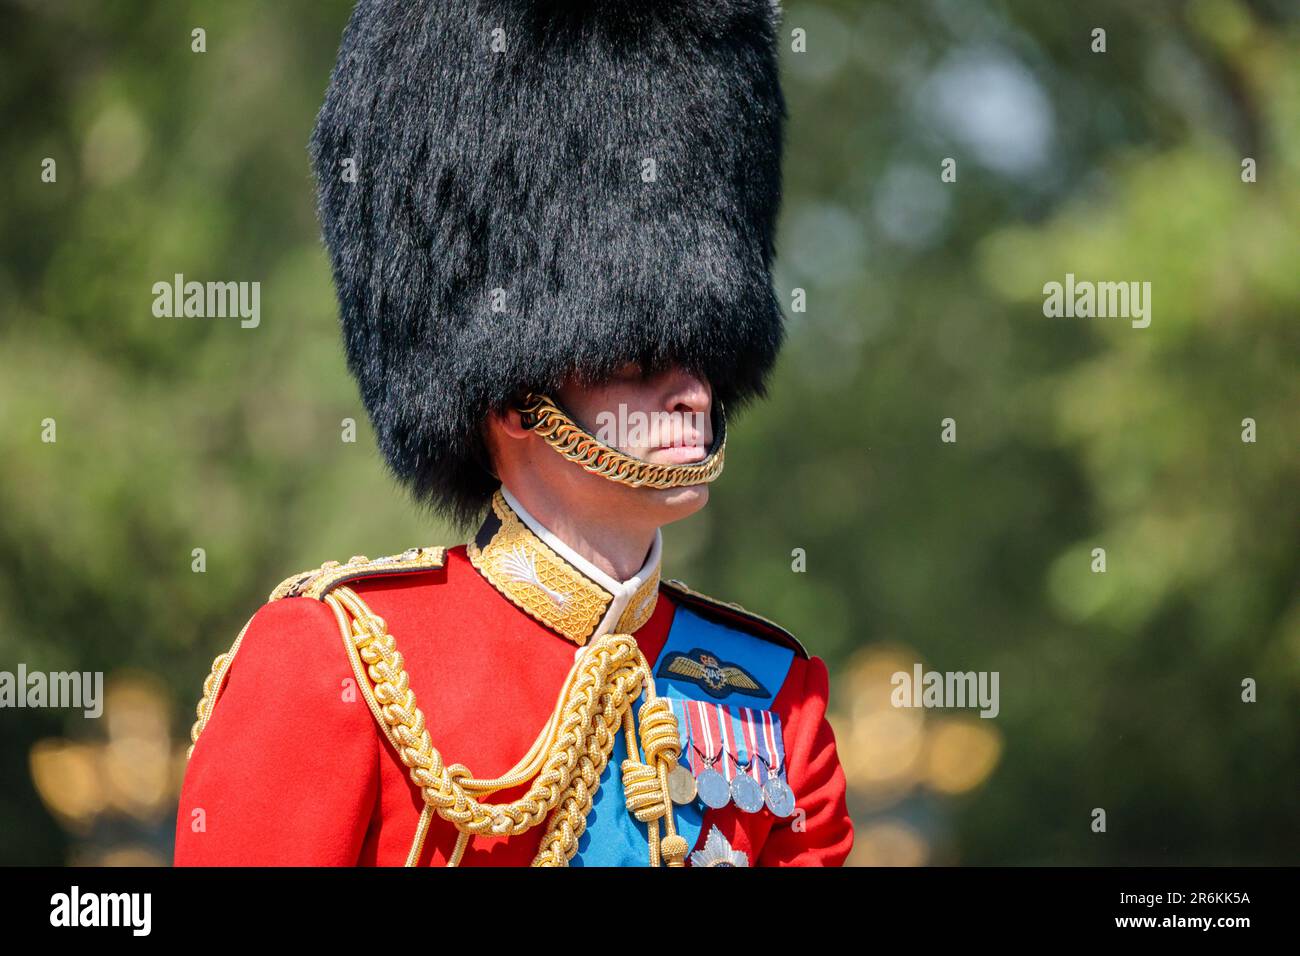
x=713, y=789
x=746, y=793
x=778, y=796
x=681, y=785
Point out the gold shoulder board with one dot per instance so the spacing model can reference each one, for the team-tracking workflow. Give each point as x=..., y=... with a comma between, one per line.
x=319, y=582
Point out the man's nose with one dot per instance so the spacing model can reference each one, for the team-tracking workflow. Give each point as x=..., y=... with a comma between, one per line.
x=687, y=392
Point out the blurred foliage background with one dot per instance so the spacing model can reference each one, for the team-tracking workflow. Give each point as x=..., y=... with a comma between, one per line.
x=1119, y=690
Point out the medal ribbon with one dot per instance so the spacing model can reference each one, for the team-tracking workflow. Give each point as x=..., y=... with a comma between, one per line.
x=743, y=754
x=747, y=719
x=726, y=737
x=774, y=743
x=700, y=723
x=682, y=712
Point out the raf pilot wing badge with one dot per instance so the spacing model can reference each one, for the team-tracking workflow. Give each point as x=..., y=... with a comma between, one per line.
x=718, y=677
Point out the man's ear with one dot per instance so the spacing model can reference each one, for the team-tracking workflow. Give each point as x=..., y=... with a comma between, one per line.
x=508, y=423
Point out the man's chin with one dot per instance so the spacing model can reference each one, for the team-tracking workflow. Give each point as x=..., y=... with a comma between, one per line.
x=674, y=504
x=657, y=506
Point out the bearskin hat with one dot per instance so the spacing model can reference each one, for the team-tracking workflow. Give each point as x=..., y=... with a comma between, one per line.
x=514, y=192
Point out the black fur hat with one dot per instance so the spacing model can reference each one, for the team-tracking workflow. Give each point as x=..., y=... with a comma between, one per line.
x=517, y=191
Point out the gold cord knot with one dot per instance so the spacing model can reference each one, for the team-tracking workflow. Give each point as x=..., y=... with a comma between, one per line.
x=644, y=797
x=660, y=737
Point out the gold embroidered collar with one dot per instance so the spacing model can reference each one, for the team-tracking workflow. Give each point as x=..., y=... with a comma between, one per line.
x=553, y=583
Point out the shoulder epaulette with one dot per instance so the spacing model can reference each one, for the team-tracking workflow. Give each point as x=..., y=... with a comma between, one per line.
x=735, y=615
x=319, y=582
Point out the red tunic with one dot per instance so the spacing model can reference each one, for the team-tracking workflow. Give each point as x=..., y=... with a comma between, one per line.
x=292, y=768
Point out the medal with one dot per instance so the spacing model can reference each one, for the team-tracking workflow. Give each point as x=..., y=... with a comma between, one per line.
x=681, y=785
x=681, y=782
x=712, y=786
x=778, y=796
x=746, y=793
x=718, y=852
x=746, y=789
x=713, y=789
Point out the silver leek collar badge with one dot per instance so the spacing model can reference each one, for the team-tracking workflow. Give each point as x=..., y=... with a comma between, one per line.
x=543, y=577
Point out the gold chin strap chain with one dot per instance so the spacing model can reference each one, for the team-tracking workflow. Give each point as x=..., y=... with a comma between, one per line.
x=557, y=429
x=564, y=763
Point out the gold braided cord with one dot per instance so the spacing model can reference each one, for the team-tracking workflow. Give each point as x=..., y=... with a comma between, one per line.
x=562, y=433
x=212, y=685
x=564, y=764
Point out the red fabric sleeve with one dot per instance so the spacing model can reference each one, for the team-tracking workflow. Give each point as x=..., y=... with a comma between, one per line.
x=820, y=832
x=286, y=770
